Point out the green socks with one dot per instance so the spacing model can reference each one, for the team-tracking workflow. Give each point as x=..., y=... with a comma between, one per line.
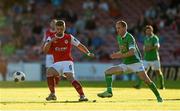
x=109, y=83
x=139, y=82
x=161, y=80
x=152, y=86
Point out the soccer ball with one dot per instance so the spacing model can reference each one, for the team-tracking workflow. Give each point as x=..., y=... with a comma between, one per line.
x=18, y=76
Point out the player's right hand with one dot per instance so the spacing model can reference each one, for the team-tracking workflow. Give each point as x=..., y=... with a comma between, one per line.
x=91, y=55
x=116, y=55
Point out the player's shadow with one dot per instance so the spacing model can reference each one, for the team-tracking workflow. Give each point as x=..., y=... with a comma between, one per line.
x=44, y=102
x=67, y=101
x=176, y=99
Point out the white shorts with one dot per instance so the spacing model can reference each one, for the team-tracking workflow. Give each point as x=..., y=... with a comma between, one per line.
x=155, y=65
x=64, y=67
x=49, y=60
x=132, y=68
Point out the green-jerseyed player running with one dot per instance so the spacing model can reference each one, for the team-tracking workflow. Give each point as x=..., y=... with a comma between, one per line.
x=131, y=57
x=151, y=56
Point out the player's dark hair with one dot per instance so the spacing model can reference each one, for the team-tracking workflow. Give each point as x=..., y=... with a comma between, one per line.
x=122, y=23
x=60, y=23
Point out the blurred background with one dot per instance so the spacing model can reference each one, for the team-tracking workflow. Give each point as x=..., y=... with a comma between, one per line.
x=23, y=23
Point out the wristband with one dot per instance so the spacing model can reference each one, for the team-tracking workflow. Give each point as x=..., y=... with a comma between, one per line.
x=88, y=53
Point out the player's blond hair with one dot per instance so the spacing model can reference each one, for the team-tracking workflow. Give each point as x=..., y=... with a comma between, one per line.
x=122, y=23
x=53, y=22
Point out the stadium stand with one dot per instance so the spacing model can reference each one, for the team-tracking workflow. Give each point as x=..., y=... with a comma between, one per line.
x=22, y=25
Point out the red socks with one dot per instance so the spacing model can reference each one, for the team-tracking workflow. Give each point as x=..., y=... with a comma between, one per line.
x=78, y=87
x=52, y=81
x=56, y=79
x=51, y=84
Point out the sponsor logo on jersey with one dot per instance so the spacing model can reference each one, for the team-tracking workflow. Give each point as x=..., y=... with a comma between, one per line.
x=60, y=49
x=66, y=41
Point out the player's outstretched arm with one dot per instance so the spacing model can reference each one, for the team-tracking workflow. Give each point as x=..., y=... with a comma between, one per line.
x=119, y=55
x=83, y=48
x=46, y=47
x=47, y=44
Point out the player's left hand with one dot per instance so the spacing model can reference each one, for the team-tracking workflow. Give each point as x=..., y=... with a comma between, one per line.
x=116, y=55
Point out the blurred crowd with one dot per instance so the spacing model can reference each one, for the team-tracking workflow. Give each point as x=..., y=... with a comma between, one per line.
x=23, y=23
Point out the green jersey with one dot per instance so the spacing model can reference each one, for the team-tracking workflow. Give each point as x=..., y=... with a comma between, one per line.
x=125, y=44
x=151, y=55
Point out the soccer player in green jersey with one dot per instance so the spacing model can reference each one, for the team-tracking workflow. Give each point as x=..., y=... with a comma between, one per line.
x=151, y=55
x=131, y=58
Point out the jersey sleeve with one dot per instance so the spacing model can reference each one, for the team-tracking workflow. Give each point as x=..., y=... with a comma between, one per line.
x=74, y=41
x=131, y=43
x=47, y=40
x=156, y=41
x=118, y=39
x=44, y=36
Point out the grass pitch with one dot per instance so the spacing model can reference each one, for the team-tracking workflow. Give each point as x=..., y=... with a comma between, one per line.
x=31, y=96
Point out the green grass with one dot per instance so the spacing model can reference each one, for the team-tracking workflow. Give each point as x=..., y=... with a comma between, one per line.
x=31, y=96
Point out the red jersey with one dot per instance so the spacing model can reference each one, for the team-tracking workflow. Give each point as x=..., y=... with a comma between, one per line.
x=61, y=48
x=49, y=33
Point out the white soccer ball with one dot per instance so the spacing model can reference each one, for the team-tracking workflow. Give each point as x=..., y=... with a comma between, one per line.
x=18, y=76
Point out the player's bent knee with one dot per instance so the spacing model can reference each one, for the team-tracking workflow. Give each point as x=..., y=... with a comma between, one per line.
x=146, y=82
x=69, y=76
x=51, y=72
x=114, y=70
x=108, y=72
x=158, y=72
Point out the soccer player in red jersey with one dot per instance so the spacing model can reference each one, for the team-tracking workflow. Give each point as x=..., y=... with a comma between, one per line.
x=61, y=45
x=49, y=57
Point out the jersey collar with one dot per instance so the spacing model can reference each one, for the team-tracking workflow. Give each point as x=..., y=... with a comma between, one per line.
x=151, y=36
x=59, y=37
x=124, y=35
